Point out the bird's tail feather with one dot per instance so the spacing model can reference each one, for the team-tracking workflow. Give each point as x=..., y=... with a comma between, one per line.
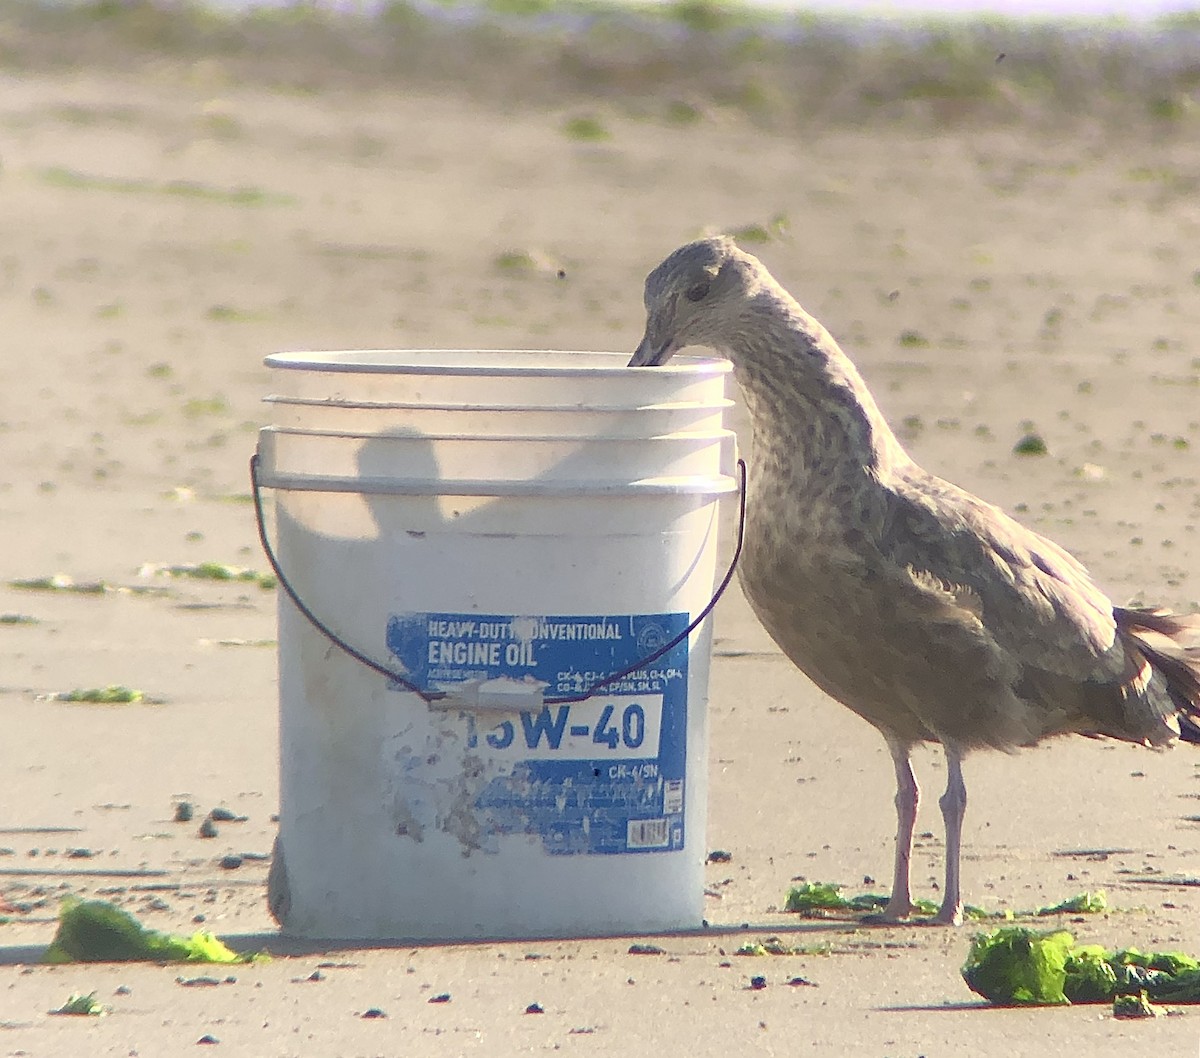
x=1168, y=646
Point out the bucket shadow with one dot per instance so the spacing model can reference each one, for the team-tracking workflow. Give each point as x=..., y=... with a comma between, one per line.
x=284, y=946
x=966, y=1005
x=376, y=467
x=374, y=464
x=22, y=954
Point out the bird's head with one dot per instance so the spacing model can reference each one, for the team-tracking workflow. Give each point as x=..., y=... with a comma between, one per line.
x=692, y=297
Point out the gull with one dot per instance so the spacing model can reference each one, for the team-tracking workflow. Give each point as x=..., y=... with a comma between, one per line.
x=931, y=614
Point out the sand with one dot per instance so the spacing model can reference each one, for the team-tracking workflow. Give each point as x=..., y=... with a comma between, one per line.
x=164, y=228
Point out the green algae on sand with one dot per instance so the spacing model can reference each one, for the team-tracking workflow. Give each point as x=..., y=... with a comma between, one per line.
x=819, y=899
x=97, y=931
x=1017, y=966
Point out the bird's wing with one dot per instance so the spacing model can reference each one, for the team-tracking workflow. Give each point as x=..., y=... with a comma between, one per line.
x=1034, y=599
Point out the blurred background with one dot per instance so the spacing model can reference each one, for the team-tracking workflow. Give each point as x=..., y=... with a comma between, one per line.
x=998, y=216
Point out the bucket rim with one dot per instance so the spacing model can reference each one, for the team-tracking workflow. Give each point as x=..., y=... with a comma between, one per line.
x=712, y=486
x=721, y=433
x=374, y=362
x=342, y=404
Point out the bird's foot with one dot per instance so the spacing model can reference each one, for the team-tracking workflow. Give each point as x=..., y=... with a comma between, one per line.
x=950, y=914
x=895, y=912
x=898, y=912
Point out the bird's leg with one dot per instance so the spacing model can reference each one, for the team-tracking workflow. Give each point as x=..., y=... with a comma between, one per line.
x=954, y=807
x=908, y=797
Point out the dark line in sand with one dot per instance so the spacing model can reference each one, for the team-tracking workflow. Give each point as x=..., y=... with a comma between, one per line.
x=41, y=830
x=86, y=872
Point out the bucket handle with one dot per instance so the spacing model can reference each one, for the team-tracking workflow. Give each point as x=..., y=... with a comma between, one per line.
x=431, y=697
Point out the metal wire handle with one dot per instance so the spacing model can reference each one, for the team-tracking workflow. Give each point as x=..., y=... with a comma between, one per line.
x=433, y=696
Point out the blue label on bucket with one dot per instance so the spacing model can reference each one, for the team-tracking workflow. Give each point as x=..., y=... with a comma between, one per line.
x=605, y=775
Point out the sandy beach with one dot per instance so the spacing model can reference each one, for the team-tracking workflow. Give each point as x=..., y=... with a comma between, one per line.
x=167, y=221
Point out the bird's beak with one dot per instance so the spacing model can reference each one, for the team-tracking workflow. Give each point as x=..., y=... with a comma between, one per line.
x=653, y=350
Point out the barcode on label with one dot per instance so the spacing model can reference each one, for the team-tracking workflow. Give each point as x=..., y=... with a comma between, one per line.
x=672, y=797
x=646, y=834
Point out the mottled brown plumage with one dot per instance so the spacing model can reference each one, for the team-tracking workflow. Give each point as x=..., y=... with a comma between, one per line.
x=930, y=613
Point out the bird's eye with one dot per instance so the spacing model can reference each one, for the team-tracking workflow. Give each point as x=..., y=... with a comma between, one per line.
x=697, y=293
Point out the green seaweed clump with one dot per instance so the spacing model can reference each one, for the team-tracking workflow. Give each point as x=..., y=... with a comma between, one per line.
x=1031, y=444
x=1181, y=988
x=1016, y=966
x=1134, y=1006
x=81, y=1005
x=113, y=694
x=820, y=899
x=1090, y=977
x=97, y=931
x=210, y=571
x=814, y=897
x=586, y=128
x=775, y=946
x=817, y=899
x=1173, y=963
x=1088, y=903
x=59, y=582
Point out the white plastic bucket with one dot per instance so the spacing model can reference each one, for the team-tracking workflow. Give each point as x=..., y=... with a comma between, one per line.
x=508, y=378
x=503, y=569
x=476, y=420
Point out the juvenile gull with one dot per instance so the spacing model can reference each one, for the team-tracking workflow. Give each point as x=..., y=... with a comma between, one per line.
x=930, y=613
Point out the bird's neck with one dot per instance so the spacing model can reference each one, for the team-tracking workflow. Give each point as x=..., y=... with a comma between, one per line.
x=815, y=422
